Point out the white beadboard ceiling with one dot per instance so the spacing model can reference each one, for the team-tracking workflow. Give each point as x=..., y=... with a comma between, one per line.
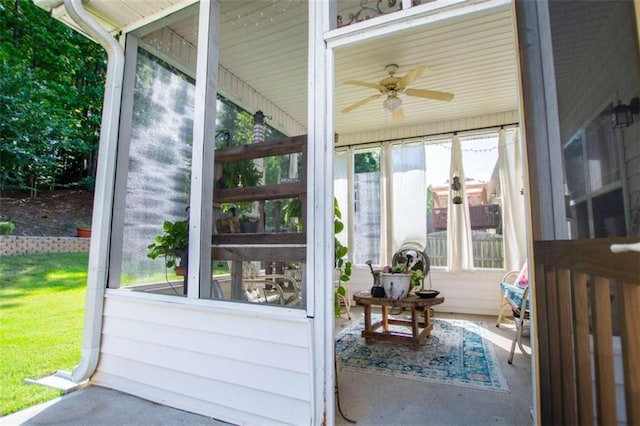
x=264, y=44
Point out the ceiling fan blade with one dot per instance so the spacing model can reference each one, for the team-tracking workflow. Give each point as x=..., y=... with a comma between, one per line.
x=360, y=103
x=412, y=76
x=397, y=115
x=364, y=84
x=431, y=94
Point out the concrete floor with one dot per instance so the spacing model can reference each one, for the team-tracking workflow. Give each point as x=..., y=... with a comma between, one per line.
x=369, y=399
x=97, y=406
x=372, y=399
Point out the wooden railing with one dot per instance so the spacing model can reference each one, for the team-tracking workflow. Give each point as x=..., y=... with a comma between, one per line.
x=586, y=298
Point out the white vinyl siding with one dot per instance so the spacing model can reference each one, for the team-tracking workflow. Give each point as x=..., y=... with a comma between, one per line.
x=214, y=361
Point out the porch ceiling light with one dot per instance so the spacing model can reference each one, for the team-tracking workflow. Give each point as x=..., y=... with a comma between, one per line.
x=392, y=103
x=622, y=115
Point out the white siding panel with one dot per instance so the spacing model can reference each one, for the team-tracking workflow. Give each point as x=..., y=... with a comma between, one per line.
x=245, y=367
x=249, y=325
x=258, y=375
x=269, y=407
x=281, y=356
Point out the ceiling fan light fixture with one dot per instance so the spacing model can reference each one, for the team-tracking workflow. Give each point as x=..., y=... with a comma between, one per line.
x=392, y=103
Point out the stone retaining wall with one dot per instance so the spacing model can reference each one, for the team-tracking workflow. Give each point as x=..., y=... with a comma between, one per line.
x=26, y=245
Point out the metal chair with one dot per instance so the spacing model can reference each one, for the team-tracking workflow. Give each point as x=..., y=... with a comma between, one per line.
x=519, y=302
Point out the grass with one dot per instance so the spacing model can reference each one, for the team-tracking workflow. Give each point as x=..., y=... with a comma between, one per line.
x=41, y=316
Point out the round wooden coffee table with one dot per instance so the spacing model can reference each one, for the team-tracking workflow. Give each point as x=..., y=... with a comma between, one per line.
x=420, y=328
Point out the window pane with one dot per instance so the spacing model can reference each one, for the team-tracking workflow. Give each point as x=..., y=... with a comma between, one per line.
x=438, y=158
x=602, y=152
x=408, y=195
x=367, y=206
x=608, y=215
x=574, y=166
x=159, y=163
x=480, y=162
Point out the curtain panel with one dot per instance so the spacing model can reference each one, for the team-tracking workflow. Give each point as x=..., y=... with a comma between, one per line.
x=459, y=244
x=409, y=196
x=513, y=215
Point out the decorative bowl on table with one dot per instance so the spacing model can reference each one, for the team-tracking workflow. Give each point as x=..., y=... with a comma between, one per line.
x=427, y=294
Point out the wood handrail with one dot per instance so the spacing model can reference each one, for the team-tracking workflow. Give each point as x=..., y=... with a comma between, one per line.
x=581, y=290
x=591, y=257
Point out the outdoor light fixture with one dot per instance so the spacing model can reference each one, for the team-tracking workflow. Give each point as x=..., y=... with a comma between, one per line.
x=392, y=103
x=258, y=127
x=456, y=186
x=622, y=115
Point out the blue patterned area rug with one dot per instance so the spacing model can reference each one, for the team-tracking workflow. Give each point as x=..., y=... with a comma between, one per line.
x=457, y=353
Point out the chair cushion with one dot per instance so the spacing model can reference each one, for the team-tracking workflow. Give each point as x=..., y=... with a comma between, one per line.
x=514, y=294
x=523, y=277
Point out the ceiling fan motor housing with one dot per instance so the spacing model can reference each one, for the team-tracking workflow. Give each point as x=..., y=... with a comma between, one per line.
x=391, y=69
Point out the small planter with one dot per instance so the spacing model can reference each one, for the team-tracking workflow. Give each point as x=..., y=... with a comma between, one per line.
x=396, y=286
x=83, y=232
x=249, y=227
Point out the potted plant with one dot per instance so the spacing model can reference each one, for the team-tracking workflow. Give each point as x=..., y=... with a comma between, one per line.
x=342, y=263
x=399, y=280
x=83, y=229
x=172, y=245
x=293, y=214
x=249, y=222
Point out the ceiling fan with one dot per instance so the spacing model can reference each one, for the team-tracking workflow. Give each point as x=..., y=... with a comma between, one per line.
x=392, y=86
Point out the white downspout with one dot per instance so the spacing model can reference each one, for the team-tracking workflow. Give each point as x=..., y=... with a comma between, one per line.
x=103, y=198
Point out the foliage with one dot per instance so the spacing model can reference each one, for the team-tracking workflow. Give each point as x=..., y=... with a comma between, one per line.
x=234, y=127
x=293, y=208
x=239, y=125
x=6, y=228
x=342, y=263
x=417, y=276
x=42, y=301
x=367, y=162
x=430, y=200
x=248, y=217
x=171, y=244
x=51, y=88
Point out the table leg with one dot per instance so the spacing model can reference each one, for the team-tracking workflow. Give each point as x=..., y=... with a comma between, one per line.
x=367, y=320
x=415, y=331
x=425, y=314
x=385, y=318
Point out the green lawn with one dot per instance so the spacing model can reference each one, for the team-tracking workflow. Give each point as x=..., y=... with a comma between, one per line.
x=41, y=318
x=41, y=315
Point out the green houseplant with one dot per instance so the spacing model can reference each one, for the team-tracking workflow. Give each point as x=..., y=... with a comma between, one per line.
x=171, y=244
x=293, y=214
x=249, y=222
x=342, y=263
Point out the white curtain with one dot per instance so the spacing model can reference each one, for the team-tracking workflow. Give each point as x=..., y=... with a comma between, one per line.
x=408, y=189
x=459, y=244
x=341, y=191
x=511, y=184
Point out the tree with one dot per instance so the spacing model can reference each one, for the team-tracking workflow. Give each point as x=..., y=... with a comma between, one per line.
x=367, y=162
x=51, y=90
